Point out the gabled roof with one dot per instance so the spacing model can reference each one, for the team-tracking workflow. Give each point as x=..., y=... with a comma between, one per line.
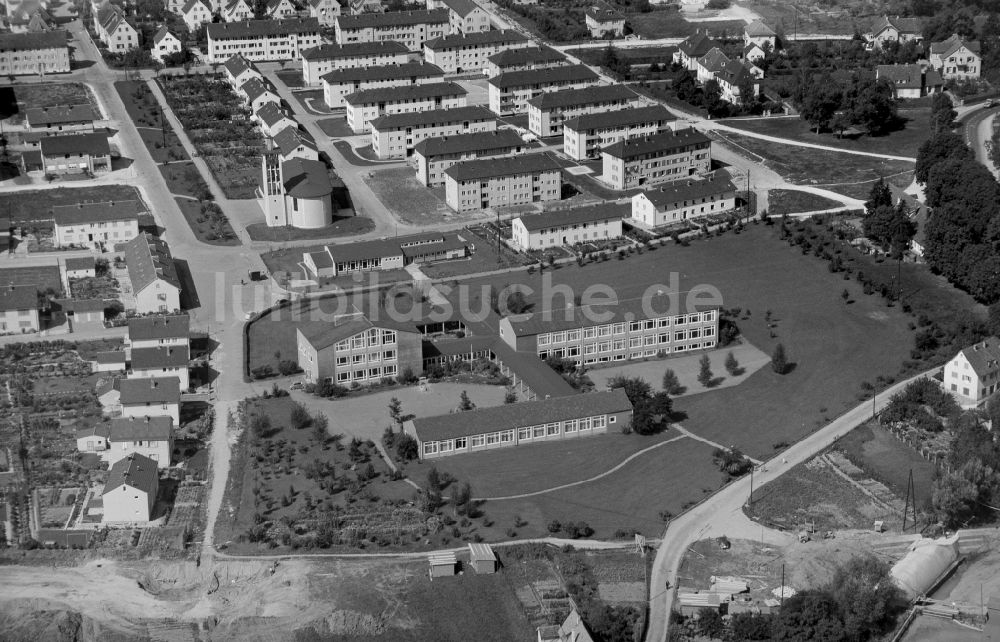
x=471, y=113
x=714, y=60
x=152, y=390
x=461, y=7
x=257, y=87
x=148, y=259
x=474, y=142
x=233, y=5
x=603, y=12
x=574, y=628
x=526, y=55
x=757, y=29
x=291, y=138
x=734, y=72
x=141, y=428
x=902, y=76
x=160, y=357
x=587, y=96
x=237, y=64
x=273, y=5
x=162, y=33
x=306, y=178
x=64, y=215
x=355, y=50
x=619, y=118
x=949, y=46
x=261, y=28
x=18, y=298
x=135, y=471
x=663, y=141
x=688, y=190
x=984, y=356
x=95, y=144
x=394, y=71
x=392, y=19
x=408, y=92
x=475, y=39
x=696, y=45
x=33, y=41
x=323, y=334
x=576, y=216
x=502, y=166
x=171, y=326
x=111, y=357
x=567, y=73
x=60, y=114
x=191, y=4
x=902, y=25
x=270, y=114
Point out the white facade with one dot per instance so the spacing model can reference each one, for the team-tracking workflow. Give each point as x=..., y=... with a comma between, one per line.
x=19, y=321
x=127, y=505
x=545, y=119
x=167, y=45
x=157, y=409
x=325, y=11
x=973, y=375
x=152, y=372
x=504, y=187
x=563, y=233
x=398, y=142
x=583, y=140
x=158, y=296
x=361, y=112
x=412, y=28
x=262, y=40
x=457, y=54
x=197, y=13
x=656, y=159
x=334, y=89
x=510, y=94
x=237, y=11
x=683, y=201
x=95, y=234
x=316, y=64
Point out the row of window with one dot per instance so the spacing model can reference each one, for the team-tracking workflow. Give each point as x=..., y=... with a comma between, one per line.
x=528, y=433
x=367, y=374
x=370, y=357
x=625, y=356
x=618, y=345
x=368, y=339
x=609, y=329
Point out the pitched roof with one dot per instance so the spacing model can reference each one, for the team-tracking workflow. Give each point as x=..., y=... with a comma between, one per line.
x=477, y=141
x=525, y=55
x=257, y=87
x=159, y=357
x=18, y=298
x=576, y=216
x=148, y=259
x=141, y=429
x=273, y=5
x=662, y=141
x=323, y=334
x=191, y=4
x=696, y=45
x=291, y=138
x=136, y=471
x=170, y=326
x=952, y=44
x=305, y=178
x=110, y=356
x=271, y=114
x=394, y=71
x=688, y=190
x=80, y=263
x=984, y=356
x=321, y=260
x=95, y=144
x=60, y=114
x=461, y=7
x=162, y=33
x=64, y=215
x=758, y=29
x=260, y=28
x=472, y=113
x=714, y=60
x=902, y=76
x=902, y=25
x=734, y=72
x=475, y=39
x=152, y=390
x=355, y=50
x=619, y=118
x=603, y=12
x=566, y=73
x=574, y=628
x=408, y=92
x=518, y=415
x=502, y=166
x=392, y=19
x=237, y=64
x=587, y=96
x=481, y=552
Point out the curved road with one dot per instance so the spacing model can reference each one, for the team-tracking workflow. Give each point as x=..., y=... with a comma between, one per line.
x=979, y=129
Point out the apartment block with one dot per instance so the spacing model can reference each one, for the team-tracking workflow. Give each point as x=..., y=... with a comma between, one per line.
x=260, y=40
x=463, y=52
x=412, y=28
x=548, y=112
x=684, y=201
x=435, y=155
x=496, y=182
x=96, y=225
x=524, y=59
x=321, y=60
x=365, y=106
x=556, y=228
x=396, y=136
x=341, y=82
x=584, y=136
x=45, y=52
x=464, y=16
x=510, y=92
x=655, y=159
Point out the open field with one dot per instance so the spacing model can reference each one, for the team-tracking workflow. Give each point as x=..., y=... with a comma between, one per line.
x=342, y=226
x=335, y=127
x=890, y=461
x=904, y=142
x=207, y=222
x=184, y=179
x=806, y=17
x=31, y=206
x=143, y=110
x=846, y=174
x=786, y=201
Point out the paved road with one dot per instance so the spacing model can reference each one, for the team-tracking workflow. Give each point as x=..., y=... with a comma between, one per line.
x=978, y=130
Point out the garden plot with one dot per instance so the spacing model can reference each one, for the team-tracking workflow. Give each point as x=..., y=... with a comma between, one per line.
x=57, y=505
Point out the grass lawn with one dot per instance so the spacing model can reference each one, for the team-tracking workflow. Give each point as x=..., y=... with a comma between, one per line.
x=311, y=100
x=345, y=226
x=889, y=460
x=846, y=174
x=184, y=179
x=335, y=127
x=670, y=24
x=787, y=201
x=142, y=108
x=484, y=259
x=291, y=78
x=408, y=199
x=904, y=142
x=28, y=206
x=209, y=228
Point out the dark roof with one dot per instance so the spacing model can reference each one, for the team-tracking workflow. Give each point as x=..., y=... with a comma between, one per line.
x=566, y=73
x=902, y=76
x=81, y=263
x=902, y=25
x=60, y=114
x=97, y=212
x=518, y=415
x=172, y=326
x=32, y=41
x=271, y=114
x=153, y=390
x=383, y=72
x=576, y=215
x=321, y=259
x=603, y=12
x=140, y=429
x=237, y=64
x=191, y=4
x=525, y=55
x=502, y=166
x=18, y=298
x=453, y=347
x=475, y=142
x=392, y=18
x=355, y=49
x=474, y=113
x=256, y=87
x=136, y=471
x=449, y=241
x=984, y=356
x=735, y=72
x=714, y=60
x=323, y=334
x=586, y=96
x=148, y=259
x=260, y=28
x=696, y=45
x=94, y=143
x=79, y=305
x=162, y=33
x=656, y=143
x=758, y=29
x=161, y=357
x=619, y=118
x=461, y=7
x=408, y=92
x=305, y=178
x=688, y=190
x=110, y=356
x=291, y=138
x=475, y=39
x=952, y=44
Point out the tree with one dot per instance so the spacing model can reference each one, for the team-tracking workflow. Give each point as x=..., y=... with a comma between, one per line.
x=671, y=384
x=300, y=416
x=732, y=462
x=710, y=624
x=956, y=496
x=891, y=228
x=943, y=114
x=319, y=428
x=872, y=104
x=510, y=396
x=462, y=498
x=732, y=365
x=749, y=627
x=820, y=102
x=396, y=410
x=407, y=448
x=868, y=598
x=839, y=123
x=516, y=303
x=809, y=615
x=636, y=388
x=879, y=196
x=705, y=371
x=651, y=414
x=779, y=362
x=941, y=146
x=464, y=403
x=434, y=479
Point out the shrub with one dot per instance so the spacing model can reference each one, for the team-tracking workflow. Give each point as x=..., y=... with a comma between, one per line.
x=554, y=526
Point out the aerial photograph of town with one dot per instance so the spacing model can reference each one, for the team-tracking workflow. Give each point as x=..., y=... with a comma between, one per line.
x=499, y=320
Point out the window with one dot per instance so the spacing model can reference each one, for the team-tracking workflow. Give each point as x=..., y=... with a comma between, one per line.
x=585, y=423
x=589, y=333
x=460, y=443
x=430, y=448
x=478, y=441
x=619, y=328
x=538, y=431
x=493, y=438
x=573, y=335
x=600, y=421
x=569, y=425
x=604, y=331
x=559, y=337
x=523, y=433
x=552, y=429
x=506, y=436
x=635, y=326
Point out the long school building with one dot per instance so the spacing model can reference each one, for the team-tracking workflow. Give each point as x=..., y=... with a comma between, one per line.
x=435, y=155
x=510, y=92
x=397, y=135
x=412, y=28
x=458, y=53
x=261, y=40
x=321, y=60
x=521, y=424
x=365, y=106
x=341, y=82
x=548, y=112
x=584, y=136
x=660, y=158
x=497, y=182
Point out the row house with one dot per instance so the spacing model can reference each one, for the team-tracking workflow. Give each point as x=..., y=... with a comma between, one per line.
x=129, y=495
x=156, y=288
x=260, y=40
x=458, y=53
x=397, y=135
x=354, y=349
x=365, y=106
x=40, y=53
x=659, y=158
x=585, y=136
x=96, y=225
x=557, y=228
x=412, y=28
x=386, y=254
x=510, y=92
x=60, y=118
x=435, y=155
x=957, y=58
x=341, y=82
x=684, y=201
x=524, y=59
x=152, y=397
x=498, y=182
x=464, y=16
x=75, y=153
x=547, y=112
x=321, y=60
x=272, y=118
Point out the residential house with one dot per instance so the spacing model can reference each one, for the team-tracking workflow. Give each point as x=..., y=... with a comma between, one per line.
x=658, y=158
x=259, y=92
x=130, y=492
x=464, y=16
x=272, y=118
x=458, y=53
x=710, y=64
x=737, y=76
x=239, y=71
x=510, y=92
x=261, y=40
x=354, y=349
x=603, y=20
x=341, y=82
x=292, y=142
x=279, y=10
x=895, y=29
x=507, y=180
x=97, y=226
x=584, y=136
x=758, y=33
x=19, y=308
x=169, y=330
x=196, y=13
x=754, y=53
x=325, y=11
x=27, y=20
x=119, y=33
x=412, y=28
x=547, y=112
x=237, y=11
x=153, y=276
x=910, y=81
x=524, y=59
x=573, y=629
x=957, y=58
x=386, y=254
x=154, y=397
x=60, y=118
x=165, y=44
x=297, y=192
x=150, y=437
x=80, y=267
x=162, y=362
x=76, y=153
x=691, y=49
x=556, y=228
x=355, y=7
x=684, y=201
x=397, y=135
x=520, y=424
x=973, y=375
x=108, y=396
x=435, y=155
x=368, y=104
x=321, y=60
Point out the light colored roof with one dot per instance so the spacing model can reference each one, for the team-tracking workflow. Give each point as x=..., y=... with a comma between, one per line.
x=392, y=19
x=619, y=118
x=757, y=29
x=95, y=143
x=663, y=141
x=475, y=39
x=689, y=190
x=551, y=75
x=481, y=552
x=64, y=215
x=136, y=471
x=471, y=113
x=587, y=96
x=171, y=326
x=574, y=629
x=259, y=28
x=408, y=92
x=474, y=142
x=191, y=4
x=60, y=114
x=141, y=428
x=576, y=216
x=324, y=334
x=502, y=166
x=442, y=558
x=160, y=357
x=526, y=55
x=148, y=259
x=150, y=390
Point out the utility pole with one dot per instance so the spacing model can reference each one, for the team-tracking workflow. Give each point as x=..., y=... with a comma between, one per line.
x=782, y=586
x=750, y=501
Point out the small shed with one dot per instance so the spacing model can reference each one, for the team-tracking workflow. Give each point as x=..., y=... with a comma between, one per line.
x=482, y=558
x=442, y=564
x=692, y=603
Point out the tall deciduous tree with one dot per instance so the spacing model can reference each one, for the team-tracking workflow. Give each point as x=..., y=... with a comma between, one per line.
x=879, y=196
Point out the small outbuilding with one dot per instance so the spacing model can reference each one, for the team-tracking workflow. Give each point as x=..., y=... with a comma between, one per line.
x=442, y=564
x=482, y=559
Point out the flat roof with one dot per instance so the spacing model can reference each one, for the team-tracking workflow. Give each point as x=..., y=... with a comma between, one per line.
x=576, y=215
x=477, y=141
x=566, y=73
x=585, y=96
x=502, y=166
x=355, y=50
x=474, y=113
x=392, y=19
x=619, y=118
x=409, y=92
x=260, y=28
x=662, y=141
x=383, y=72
